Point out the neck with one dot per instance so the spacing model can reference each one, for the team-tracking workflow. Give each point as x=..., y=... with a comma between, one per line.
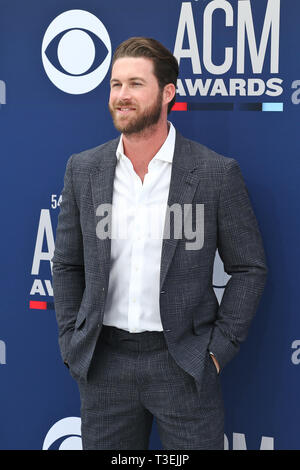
x=140, y=148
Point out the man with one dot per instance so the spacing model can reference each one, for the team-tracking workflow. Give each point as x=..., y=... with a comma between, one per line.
x=139, y=324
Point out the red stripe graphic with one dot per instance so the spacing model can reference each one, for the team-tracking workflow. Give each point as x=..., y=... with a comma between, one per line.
x=179, y=107
x=38, y=305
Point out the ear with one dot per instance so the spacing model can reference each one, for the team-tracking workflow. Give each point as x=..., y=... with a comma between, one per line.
x=169, y=92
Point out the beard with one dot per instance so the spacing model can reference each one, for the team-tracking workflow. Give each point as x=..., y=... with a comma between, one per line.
x=140, y=122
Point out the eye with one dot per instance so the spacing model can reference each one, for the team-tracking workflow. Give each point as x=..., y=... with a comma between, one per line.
x=76, y=51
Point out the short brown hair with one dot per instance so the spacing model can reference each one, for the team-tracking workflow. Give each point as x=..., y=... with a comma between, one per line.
x=165, y=64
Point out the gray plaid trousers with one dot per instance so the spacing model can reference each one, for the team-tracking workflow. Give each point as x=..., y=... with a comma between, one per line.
x=132, y=378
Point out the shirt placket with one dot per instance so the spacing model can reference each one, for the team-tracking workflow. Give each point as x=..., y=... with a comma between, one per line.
x=137, y=253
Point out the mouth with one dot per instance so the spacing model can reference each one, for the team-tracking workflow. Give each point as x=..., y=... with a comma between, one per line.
x=124, y=109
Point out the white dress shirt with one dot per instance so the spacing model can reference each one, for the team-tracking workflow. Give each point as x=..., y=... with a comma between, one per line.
x=138, y=216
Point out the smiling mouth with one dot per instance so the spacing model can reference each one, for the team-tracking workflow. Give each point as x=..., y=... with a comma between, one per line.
x=125, y=109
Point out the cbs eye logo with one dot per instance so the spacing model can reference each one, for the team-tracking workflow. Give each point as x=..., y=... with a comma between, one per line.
x=65, y=434
x=76, y=35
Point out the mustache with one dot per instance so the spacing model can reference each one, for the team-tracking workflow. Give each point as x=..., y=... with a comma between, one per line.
x=124, y=103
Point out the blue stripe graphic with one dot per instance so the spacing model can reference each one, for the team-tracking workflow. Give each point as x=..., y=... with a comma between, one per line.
x=272, y=106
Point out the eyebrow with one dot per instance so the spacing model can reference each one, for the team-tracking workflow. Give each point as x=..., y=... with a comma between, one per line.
x=130, y=79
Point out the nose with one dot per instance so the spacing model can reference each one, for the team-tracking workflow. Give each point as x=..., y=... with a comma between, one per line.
x=124, y=92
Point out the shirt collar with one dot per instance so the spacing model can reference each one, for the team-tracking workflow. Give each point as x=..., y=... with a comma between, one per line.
x=165, y=152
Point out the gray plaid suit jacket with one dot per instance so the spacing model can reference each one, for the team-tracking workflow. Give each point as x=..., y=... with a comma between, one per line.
x=192, y=319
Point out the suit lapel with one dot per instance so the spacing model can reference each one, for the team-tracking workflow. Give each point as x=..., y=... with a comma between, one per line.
x=184, y=180
x=102, y=182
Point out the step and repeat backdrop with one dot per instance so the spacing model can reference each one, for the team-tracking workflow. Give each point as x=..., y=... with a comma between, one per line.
x=238, y=93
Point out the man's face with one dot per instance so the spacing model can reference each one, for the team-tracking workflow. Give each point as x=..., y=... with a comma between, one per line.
x=135, y=101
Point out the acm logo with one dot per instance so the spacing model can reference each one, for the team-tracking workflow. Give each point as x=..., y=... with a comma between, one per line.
x=239, y=442
x=2, y=352
x=220, y=277
x=238, y=15
x=2, y=92
x=295, y=358
x=296, y=94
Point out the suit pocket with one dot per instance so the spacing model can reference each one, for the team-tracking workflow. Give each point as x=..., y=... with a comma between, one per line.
x=80, y=320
